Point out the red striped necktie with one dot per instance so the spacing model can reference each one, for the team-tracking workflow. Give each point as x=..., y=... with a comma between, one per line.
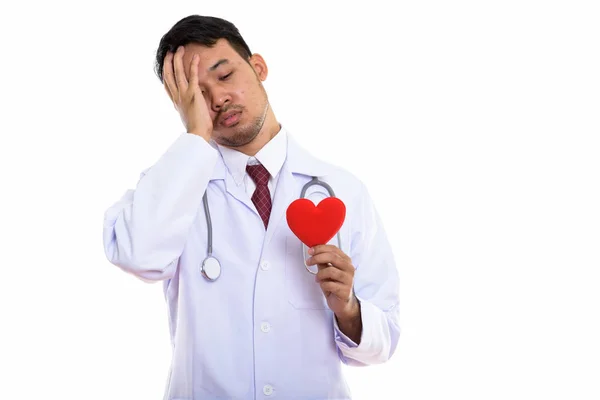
x=261, y=196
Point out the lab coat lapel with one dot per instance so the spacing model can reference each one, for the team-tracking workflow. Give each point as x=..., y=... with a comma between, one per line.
x=238, y=192
x=298, y=162
x=284, y=195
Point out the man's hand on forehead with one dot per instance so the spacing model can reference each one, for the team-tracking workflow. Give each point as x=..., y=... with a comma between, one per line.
x=185, y=93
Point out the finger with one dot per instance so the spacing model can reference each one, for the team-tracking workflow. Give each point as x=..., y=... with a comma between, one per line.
x=168, y=77
x=167, y=89
x=180, y=78
x=334, y=275
x=324, y=248
x=323, y=266
x=340, y=290
x=194, y=72
x=332, y=258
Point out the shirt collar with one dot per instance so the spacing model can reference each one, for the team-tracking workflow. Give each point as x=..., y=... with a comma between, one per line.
x=271, y=156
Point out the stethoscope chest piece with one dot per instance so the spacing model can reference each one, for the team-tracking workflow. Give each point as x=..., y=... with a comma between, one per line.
x=211, y=268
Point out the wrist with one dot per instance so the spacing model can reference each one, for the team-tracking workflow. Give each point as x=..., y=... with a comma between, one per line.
x=350, y=321
x=351, y=312
x=205, y=135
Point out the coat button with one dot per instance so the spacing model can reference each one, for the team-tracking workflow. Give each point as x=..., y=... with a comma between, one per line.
x=265, y=327
x=268, y=390
x=264, y=265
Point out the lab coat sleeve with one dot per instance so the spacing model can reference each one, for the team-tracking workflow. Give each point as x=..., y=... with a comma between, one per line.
x=376, y=286
x=145, y=231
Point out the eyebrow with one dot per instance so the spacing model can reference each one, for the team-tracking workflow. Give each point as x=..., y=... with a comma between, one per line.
x=218, y=63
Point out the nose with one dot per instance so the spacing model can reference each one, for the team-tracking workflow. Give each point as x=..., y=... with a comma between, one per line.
x=220, y=99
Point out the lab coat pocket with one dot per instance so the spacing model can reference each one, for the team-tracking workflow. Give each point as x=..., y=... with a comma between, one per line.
x=302, y=290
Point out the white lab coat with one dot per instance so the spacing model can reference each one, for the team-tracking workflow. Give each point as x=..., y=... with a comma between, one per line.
x=263, y=329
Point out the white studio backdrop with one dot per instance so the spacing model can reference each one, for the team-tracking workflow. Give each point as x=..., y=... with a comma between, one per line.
x=474, y=125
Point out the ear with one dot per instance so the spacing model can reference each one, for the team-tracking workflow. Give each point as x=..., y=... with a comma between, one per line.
x=259, y=65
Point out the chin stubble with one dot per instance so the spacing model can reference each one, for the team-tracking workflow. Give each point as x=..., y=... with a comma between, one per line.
x=247, y=135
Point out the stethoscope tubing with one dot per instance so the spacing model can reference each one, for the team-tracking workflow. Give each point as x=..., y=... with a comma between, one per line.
x=314, y=181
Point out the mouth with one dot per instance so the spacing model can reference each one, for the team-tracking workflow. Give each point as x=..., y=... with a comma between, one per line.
x=230, y=119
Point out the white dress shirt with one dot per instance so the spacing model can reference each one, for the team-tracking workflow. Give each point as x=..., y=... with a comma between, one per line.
x=271, y=156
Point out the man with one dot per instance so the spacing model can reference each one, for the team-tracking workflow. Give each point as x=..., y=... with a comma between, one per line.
x=266, y=327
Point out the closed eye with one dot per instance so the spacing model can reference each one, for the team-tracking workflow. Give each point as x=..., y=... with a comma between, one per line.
x=224, y=78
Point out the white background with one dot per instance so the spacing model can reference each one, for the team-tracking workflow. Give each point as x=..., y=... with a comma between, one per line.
x=474, y=124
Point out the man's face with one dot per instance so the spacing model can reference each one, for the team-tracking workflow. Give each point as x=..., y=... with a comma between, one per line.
x=232, y=89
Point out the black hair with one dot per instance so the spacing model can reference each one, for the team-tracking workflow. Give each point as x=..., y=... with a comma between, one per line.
x=202, y=30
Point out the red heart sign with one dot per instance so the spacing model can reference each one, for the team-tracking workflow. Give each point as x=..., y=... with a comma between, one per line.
x=316, y=225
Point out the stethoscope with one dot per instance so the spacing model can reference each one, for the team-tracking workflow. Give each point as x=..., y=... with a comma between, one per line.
x=211, y=267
